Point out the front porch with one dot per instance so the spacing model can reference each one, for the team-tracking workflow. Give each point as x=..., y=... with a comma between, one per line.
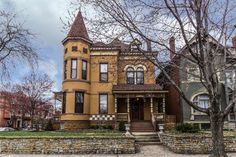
x=141, y=109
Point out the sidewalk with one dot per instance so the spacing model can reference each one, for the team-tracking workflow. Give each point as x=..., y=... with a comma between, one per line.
x=145, y=151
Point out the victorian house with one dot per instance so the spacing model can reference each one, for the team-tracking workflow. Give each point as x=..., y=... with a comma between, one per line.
x=187, y=78
x=108, y=83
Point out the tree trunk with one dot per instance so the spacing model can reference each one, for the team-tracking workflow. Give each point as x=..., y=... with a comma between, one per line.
x=217, y=123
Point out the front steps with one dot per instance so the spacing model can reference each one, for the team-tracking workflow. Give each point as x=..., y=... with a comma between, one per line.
x=146, y=138
x=144, y=133
x=142, y=126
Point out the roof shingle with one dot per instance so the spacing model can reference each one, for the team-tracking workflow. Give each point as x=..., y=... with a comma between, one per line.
x=78, y=28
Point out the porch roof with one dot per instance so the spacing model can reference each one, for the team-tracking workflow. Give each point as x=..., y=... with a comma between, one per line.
x=145, y=88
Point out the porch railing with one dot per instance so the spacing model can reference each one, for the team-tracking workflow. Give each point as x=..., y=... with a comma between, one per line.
x=122, y=117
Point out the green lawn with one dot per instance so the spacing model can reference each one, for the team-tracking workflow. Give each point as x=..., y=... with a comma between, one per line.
x=81, y=133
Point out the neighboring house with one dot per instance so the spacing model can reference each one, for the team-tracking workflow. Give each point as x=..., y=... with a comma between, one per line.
x=14, y=111
x=194, y=90
x=107, y=83
x=10, y=114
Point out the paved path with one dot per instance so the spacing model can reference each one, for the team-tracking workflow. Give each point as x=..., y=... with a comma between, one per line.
x=145, y=151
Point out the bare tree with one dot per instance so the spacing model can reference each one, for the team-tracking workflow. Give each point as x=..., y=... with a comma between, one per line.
x=193, y=22
x=15, y=44
x=37, y=88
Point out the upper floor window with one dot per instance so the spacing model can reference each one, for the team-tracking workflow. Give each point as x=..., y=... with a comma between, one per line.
x=74, y=48
x=103, y=103
x=73, y=68
x=202, y=100
x=84, y=70
x=139, y=76
x=103, y=72
x=65, y=69
x=130, y=75
x=193, y=74
x=79, y=102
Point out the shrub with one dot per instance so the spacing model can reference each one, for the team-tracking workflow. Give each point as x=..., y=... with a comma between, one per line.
x=94, y=127
x=122, y=126
x=109, y=127
x=49, y=126
x=188, y=128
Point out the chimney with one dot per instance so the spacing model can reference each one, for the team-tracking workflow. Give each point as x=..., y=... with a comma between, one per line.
x=149, y=45
x=234, y=41
x=172, y=46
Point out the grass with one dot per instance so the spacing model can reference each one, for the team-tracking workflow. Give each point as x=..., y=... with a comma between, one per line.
x=81, y=133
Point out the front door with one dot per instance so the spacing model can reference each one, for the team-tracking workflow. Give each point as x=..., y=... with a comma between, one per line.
x=137, y=106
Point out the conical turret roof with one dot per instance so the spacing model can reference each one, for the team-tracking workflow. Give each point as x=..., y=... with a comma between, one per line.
x=78, y=29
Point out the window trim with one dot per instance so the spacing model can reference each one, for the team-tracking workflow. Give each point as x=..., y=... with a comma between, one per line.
x=100, y=103
x=100, y=73
x=73, y=69
x=83, y=94
x=86, y=71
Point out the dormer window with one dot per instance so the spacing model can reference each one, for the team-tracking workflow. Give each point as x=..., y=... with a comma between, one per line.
x=130, y=75
x=74, y=48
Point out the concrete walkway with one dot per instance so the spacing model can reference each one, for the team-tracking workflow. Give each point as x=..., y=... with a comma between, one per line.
x=145, y=151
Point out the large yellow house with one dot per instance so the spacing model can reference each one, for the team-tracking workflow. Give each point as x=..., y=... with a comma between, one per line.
x=107, y=83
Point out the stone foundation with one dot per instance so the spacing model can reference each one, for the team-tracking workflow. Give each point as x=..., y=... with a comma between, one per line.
x=194, y=144
x=67, y=145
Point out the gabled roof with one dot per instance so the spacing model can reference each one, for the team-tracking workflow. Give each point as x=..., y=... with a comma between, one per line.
x=78, y=30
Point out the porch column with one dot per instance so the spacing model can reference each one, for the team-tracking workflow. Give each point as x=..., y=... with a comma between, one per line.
x=164, y=104
x=128, y=109
x=115, y=104
x=151, y=104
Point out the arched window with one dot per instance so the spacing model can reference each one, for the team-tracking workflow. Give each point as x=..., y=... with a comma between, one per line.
x=130, y=75
x=140, y=76
x=202, y=100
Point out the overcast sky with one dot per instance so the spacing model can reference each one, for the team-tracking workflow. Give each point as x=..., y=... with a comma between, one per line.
x=42, y=17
